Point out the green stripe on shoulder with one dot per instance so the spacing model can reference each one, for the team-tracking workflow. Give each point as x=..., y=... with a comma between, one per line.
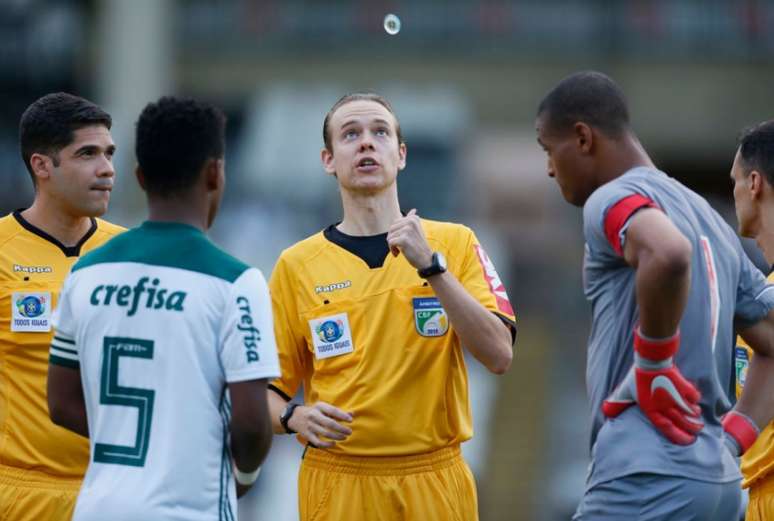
x=172, y=245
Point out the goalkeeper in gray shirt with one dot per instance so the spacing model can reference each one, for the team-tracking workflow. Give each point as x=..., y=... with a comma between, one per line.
x=667, y=280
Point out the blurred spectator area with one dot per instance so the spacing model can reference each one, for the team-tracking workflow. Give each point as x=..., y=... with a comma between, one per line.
x=654, y=29
x=699, y=60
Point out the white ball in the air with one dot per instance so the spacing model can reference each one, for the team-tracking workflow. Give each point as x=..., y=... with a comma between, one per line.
x=392, y=24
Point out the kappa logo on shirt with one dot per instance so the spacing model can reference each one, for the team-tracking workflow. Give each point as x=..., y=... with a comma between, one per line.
x=331, y=336
x=333, y=287
x=18, y=268
x=31, y=312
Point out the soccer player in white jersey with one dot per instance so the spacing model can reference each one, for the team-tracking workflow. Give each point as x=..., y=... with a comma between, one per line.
x=153, y=329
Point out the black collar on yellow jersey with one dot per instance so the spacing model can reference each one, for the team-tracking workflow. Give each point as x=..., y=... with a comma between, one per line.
x=373, y=249
x=69, y=251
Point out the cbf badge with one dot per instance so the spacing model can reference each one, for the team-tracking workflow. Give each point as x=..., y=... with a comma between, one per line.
x=31, y=312
x=331, y=336
x=429, y=317
x=742, y=362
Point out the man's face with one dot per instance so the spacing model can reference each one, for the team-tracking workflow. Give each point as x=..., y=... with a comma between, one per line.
x=83, y=179
x=566, y=163
x=366, y=155
x=747, y=213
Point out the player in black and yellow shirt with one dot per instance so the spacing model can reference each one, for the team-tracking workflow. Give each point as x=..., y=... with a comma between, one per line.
x=753, y=177
x=376, y=339
x=67, y=148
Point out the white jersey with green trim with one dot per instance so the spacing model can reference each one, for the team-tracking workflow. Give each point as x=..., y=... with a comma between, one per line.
x=158, y=321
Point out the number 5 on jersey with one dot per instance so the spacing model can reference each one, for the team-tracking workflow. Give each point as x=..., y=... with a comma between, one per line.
x=111, y=393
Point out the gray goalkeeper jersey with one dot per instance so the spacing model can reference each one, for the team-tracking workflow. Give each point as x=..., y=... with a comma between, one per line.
x=725, y=287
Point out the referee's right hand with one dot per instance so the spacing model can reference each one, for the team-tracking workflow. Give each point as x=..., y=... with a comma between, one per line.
x=319, y=424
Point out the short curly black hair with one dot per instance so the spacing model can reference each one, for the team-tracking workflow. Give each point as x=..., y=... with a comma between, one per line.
x=589, y=97
x=756, y=149
x=175, y=138
x=48, y=125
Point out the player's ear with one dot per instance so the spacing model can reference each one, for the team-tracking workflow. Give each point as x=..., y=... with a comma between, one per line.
x=402, y=151
x=214, y=174
x=140, y=177
x=327, y=160
x=584, y=137
x=756, y=184
x=42, y=166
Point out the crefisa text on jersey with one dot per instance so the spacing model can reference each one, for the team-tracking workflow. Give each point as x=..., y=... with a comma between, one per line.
x=157, y=298
x=250, y=334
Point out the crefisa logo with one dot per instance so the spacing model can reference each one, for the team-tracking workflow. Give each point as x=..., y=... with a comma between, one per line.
x=31, y=306
x=330, y=331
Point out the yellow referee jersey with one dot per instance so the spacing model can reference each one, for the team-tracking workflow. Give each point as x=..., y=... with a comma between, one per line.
x=758, y=461
x=376, y=341
x=33, y=266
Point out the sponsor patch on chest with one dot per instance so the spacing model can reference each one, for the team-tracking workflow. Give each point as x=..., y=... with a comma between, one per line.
x=31, y=312
x=429, y=317
x=331, y=336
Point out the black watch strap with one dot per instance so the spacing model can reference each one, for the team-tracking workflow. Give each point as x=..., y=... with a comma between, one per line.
x=285, y=417
x=438, y=265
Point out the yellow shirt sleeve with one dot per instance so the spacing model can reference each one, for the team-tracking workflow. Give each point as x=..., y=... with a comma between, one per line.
x=291, y=345
x=479, y=276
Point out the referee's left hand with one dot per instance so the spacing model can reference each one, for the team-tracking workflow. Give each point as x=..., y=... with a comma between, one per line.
x=320, y=423
x=407, y=236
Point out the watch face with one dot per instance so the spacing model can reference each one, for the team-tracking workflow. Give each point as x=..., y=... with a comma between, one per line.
x=441, y=260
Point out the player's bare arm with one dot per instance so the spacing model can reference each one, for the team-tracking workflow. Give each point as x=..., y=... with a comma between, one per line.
x=66, y=406
x=662, y=257
x=251, y=431
x=320, y=423
x=481, y=332
x=757, y=399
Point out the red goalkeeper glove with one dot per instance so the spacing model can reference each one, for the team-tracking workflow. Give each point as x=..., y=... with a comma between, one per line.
x=740, y=432
x=654, y=383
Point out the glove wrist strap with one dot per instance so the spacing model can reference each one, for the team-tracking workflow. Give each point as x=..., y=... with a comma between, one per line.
x=644, y=364
x=742, y=428
x=656, y=349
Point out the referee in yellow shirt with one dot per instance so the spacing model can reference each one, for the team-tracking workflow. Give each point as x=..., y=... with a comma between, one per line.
x=753, y=177
x=67, y=148
x=371, y=315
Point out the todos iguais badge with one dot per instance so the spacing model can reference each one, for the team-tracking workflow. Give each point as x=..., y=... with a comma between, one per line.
x=331, y=336
x=31, y=312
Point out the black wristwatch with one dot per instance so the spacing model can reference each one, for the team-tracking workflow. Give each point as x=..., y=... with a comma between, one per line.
x=437, y=266
x=285, y=417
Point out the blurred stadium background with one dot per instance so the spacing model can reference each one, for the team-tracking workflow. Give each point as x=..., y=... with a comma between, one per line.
x=465, y=78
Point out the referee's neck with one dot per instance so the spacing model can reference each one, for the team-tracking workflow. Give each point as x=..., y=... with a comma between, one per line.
x=369, y=215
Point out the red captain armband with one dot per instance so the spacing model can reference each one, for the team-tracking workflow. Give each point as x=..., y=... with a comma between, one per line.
x=619, y=214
